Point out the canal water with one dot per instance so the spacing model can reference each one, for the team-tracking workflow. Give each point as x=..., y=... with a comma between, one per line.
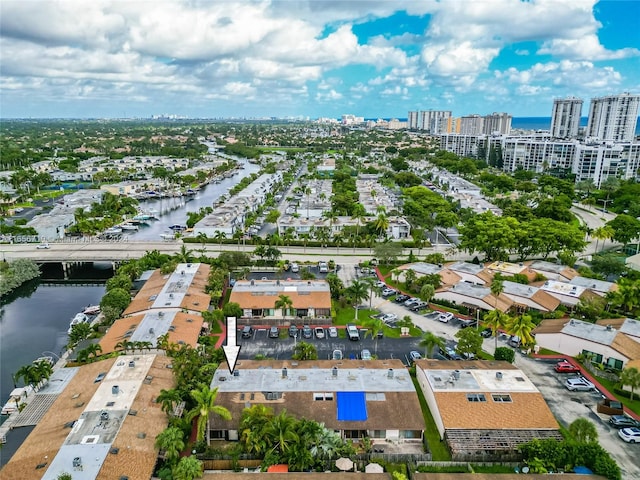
x=34, y=320
x=173, y=211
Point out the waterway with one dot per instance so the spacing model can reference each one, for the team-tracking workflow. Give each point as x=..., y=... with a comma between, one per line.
x=173, y=211
x=34, y=320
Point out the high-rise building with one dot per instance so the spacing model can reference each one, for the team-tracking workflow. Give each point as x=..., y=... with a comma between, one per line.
x=497, y=123
x=426, y=120
x=565, y=118
x=613, y=117
x=412, y=120
x=471, y=125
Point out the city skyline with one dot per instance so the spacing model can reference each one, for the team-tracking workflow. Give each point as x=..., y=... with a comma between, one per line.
x=312, y=59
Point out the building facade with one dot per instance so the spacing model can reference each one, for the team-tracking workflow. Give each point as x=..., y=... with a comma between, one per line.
x=565, y=117
x=613, y=117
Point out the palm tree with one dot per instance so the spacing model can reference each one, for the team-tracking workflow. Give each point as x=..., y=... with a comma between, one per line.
x=522, y=327
x=202, y=238
x=429, y=341
x=171, y=440
x=381, y=224
x=583, y=431
x=27, y=373
x=497, y=287
x=94, y=349
x=169, y=399
x=307, y=192
x=496, y=320
x=285, y=303
x=602, y=233
x=219, y=237
x=205, y=400
x=630, y=376
x=357, y=292
x=184, y=255
x=280, y=432
x=375, y=326
x=188, y=468
x=252, y=425
x=305, y=351
x=359, y=215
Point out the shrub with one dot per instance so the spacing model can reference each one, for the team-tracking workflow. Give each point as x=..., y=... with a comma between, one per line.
x=505, y=353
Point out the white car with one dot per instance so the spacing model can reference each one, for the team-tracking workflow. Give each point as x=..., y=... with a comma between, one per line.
x=365, y=354
x=444, y=317
x=43, y=245
x=389, y=317
x=333, y=332
x=630, y=435
x=579, y=384
x=319, y=331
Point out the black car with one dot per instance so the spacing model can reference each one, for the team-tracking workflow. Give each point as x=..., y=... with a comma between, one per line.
x=401, y=298
x=274, y=332
x=307, y=332
x=468, y=323
x=247, y=331
x=486, y=333
x=622, y=421
x=293, y=331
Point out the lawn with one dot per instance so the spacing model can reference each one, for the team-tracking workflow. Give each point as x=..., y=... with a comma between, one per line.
x=347, y=315
x=439, y=451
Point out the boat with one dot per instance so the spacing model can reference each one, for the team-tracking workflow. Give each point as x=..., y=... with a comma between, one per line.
x=129, y=227
x=78, y=319
x=92, y=310
x=177, y=228
x=113, y=231
x=16, y=397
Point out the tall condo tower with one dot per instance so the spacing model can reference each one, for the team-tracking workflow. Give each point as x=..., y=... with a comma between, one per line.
x=565, y=118
x=613, y=117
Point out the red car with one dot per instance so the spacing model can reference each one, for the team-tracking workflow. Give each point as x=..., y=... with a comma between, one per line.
x=565, y=367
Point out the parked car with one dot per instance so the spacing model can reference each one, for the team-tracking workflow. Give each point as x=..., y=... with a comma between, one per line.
x=319, y=331
x=323, y=267
x=486, y=333
x=445, y=317
x=451, y=354
x=414, y=355
x=630, y=435
x=410, y=302
x=43, y=245
x=247, y=331
x=579, y=384
x=333, y=332
x=380, y=284
x=514, y=341
x=307, y=332
x=401, y=298
x=337, y=355
x=419, y=305
x=365, y=354
x=274, y=332
x=295, y=268
x=622, y=421
x=352, y=332
x=293, y=331
x=387, y=292
x=566, y=367
x=389, y=317
x=471, y=322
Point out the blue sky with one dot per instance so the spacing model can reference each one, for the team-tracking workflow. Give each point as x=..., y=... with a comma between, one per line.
x=320, y=58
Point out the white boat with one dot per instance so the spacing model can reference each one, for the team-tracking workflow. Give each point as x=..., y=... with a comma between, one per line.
x=168, y=236
x=92, y=310
x=113, y=231
x=129, y=227
x=16, y=397
x=78, y=319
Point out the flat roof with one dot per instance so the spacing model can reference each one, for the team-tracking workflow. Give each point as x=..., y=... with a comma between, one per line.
x=590, y=331
x=519, y=289
x=593, y=284
x=563, y=288
x=506, y=267
x=174, y=290
x=466, y=267
x=548, y=266
x=470, y=290
x=471, y=380
x=276, y=287
x=312, y=376
x=425, y=268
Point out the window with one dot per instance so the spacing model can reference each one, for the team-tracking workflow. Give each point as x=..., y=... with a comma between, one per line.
x=501, y=398
x=323, y=396
x=476, y=397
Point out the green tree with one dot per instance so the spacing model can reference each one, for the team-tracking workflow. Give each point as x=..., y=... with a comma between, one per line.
x=205, y=400
x=305, y=351
x=387, y=252
x=504, y=353
x=171, y=440
x=374, y=327
x=491, y=235
x=625, y=228
x=117, y=298
x=357, y=293
x=232, y=309
x=285, y=303
x=79, y=332
x=583, y=431
x=522, y=326
x=280, y=432
x=496, y=320
x=64, y=476
x=169, y=399
x=469, y=342
x=429, y=341
x=188, y=468
x=630, y=377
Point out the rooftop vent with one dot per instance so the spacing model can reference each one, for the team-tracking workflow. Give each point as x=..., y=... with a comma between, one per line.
x=609, y=328
x=390, y=373
x=334, y=371
x=132, y=364
x=236, y=373
x=498, y=375
x=284, y=372
x=77, y=462
x=115, y=389
x=253, y=282
x=456, y=374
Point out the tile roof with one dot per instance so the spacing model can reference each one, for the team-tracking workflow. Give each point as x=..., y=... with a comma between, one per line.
x=626, y=346
x=260, y=294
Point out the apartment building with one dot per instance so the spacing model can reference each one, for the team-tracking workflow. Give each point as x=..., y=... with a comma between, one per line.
x=565, y=117
x=613, y=117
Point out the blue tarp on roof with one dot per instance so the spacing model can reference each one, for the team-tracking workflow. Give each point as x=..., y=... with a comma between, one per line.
x=352, y=406
x=582, y=470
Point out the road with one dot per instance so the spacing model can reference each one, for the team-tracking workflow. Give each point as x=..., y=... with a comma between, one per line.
x=593, y=219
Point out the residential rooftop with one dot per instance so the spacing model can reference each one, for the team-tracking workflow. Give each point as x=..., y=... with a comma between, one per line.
x=466, y=267
x=562, y=288
x=599, y=286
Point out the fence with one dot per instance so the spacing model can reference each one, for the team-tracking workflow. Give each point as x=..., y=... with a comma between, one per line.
x=612, y=377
